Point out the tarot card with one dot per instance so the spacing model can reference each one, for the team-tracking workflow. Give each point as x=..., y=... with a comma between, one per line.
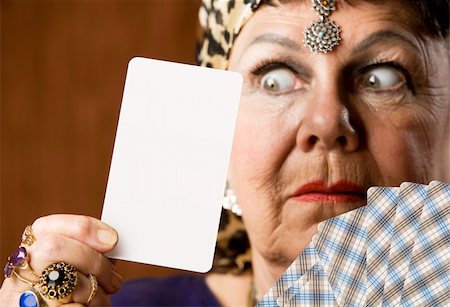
x=427, y=281
x=381, y=207
x=341, y=245
x=406, y=225
x=315, y=290
x=291, y=280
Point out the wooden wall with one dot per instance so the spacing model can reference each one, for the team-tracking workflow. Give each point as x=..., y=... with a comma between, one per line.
x=63, y=65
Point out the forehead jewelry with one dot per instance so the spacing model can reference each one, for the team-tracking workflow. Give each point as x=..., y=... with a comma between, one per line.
x=323, y=34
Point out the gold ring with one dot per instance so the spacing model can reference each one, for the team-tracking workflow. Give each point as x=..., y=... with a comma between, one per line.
x=58, y=281
x=94, y=288
x=26, y=266
x=19, y=261
x=27, y=236
x=25, y=280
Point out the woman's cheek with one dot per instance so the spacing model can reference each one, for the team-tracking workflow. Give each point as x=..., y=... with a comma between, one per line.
x=400, y=145
x=250, y=139
x=249, y=155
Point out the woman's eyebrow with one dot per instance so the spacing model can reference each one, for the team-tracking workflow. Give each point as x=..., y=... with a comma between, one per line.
x=379, y=36
x=275, y=38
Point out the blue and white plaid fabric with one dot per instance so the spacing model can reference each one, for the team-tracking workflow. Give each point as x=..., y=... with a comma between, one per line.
x=343, y=255
x=316, y=290
x=392, y=252
x=427, y=282
x=304, y=262
x=381, y=205
x=406, y=225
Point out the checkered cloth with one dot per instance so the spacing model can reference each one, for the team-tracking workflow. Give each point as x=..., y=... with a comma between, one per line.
x=430, y=262
x=315, y=290
x=392, y=252
x=304, y=262
x=343, y=256
x=407, y=221
x=378, y=238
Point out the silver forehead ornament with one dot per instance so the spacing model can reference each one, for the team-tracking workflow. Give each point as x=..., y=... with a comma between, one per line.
x=323, y=34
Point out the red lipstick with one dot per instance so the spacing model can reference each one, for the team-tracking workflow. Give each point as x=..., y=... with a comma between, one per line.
x=341, y=191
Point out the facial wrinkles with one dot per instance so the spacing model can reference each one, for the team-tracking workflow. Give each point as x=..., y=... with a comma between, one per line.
x=285, y=169
x=435, y=59
x=386, y=19
x=427, y=91
x=436, y=98
x=428, y=51
x=420, y=132
x=269, y=174
x=423, y=53
x=421, y=151
x=328, y=167
x=430, y=131
x=433, y=104
x=339, y=62
x=389, y=15
x=403, y=154
x=263, y=177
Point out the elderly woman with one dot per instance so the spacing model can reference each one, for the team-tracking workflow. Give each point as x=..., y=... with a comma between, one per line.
x=337, y=97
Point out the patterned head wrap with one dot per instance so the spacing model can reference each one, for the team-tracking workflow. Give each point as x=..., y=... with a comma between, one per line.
x=221, y=21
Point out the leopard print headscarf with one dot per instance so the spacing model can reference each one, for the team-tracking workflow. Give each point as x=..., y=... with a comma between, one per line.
x=221, y=22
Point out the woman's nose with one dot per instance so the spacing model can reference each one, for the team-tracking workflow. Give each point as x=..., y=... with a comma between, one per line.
x=326, y=123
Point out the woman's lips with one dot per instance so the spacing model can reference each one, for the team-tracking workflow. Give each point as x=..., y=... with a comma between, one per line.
x=342, y=191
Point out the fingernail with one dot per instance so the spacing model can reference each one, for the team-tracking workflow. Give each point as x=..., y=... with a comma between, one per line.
x=107, y=237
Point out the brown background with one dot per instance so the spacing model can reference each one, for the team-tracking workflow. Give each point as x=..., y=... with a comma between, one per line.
x=63, y=65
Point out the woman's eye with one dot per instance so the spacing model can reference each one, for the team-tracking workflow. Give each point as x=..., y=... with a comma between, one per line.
x=383, y=78
x=277, y=81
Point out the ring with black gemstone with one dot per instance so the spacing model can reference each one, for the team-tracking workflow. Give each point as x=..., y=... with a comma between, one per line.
x=58, y=281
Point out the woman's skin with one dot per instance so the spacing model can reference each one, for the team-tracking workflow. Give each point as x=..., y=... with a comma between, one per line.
x=314, y=132
x=75, y=239
x=374, y=111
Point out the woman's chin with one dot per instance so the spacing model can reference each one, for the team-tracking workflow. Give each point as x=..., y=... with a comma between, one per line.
x=299, y=224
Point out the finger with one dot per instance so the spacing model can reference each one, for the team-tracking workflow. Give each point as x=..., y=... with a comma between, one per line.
x=85, y=229
x=83, y=291
x=55, y=248
x=107, y=304
x=11, y=290
x=80, y=295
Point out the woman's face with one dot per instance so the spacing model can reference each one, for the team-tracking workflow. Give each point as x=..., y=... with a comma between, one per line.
x=316, y=130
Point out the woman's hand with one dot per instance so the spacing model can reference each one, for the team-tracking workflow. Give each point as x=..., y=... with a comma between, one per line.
x=73, y=239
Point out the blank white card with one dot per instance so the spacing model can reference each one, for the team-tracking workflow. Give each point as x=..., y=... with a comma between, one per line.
x=170, y=163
